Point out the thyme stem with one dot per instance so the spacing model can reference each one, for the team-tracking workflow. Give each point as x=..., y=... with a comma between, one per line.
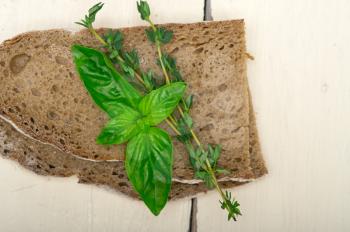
x=172, y=127
x=97, y=36
x=160, y=54
x=103, y=42
x=173, y=120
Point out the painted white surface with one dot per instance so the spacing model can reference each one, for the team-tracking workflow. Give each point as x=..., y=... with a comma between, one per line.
x=37, y=204
x=300, y=82
x=18, y=16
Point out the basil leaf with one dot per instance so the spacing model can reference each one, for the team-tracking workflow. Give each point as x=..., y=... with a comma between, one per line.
x=105, y=85
x=160, y=103
x=149, y=159
x=122, y=127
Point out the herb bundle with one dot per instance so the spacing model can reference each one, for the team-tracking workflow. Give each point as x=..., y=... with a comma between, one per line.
x=136, y=102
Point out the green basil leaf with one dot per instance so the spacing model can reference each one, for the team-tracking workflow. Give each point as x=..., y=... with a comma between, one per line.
x=122, y=127
x=148, y=163
x=105, y=85
x=160, y=103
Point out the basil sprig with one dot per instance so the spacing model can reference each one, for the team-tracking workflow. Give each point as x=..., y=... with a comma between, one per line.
x=133, y=117
x=137, y=115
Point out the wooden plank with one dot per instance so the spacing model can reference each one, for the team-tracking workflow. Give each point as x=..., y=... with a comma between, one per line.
x=25, y=15
x=301, y=90
x=34, y=203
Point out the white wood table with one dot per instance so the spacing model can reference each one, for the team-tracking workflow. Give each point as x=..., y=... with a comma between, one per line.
x=300, y=81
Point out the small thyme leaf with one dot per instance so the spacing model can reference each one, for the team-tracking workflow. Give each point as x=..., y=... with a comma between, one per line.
x=144, y=10
x=149, y=80
x=151, y=35
x=114, y=40
x=222, y=171
x=90, y=18
x=132, y=59
x=189, y=102
x=164, y=36
x=188, y=120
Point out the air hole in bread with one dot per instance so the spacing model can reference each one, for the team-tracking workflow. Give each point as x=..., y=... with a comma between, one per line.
x=207, y=127
x=123, y=184
x=62, y=141
x=52, y=115
x=54, y=88
x=222, y=87
x=35, y=92
x=18, y=63
x=174, y=51
x=198, y=50
x=17, y=109
x=61, y=60
x=195, y=38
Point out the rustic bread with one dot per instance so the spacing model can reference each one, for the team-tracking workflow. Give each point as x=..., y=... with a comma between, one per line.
x=43, y=95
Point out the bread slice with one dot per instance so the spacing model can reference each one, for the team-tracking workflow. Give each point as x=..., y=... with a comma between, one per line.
x=44, y=97
x=47, y=160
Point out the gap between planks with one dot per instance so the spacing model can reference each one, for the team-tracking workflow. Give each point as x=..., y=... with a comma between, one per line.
x=207, y=16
